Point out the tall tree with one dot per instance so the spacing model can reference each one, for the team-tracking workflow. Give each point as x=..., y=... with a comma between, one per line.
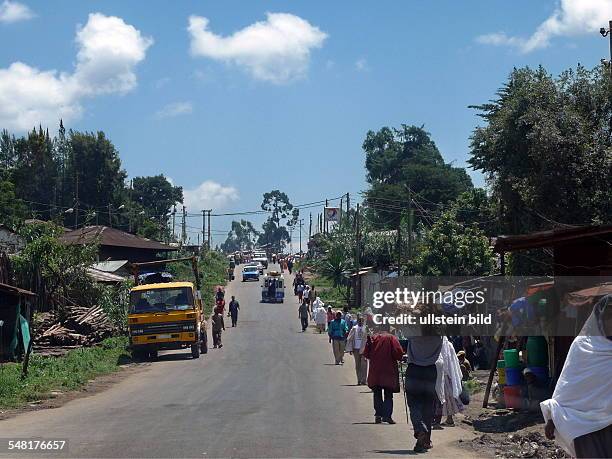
x=407, y=158
x=95, y=177
x=274, y=233
x=546, y=149
x=155, y=194
x=34, y=173
x=242, y=236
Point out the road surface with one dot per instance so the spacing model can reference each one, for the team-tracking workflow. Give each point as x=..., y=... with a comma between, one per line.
x=271, y=391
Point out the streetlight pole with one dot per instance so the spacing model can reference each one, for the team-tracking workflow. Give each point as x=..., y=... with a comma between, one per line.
x=608, y=33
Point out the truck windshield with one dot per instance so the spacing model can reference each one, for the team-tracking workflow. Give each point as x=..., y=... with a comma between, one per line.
x=161, y=299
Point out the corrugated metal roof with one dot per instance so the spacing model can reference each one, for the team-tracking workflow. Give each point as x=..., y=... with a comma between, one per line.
x=109, y=266
x=112, y=237
x=101, y=276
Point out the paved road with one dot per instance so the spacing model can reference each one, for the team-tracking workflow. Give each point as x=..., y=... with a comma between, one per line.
x=272, y=391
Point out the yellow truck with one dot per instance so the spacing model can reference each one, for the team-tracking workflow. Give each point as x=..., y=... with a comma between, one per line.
x=166, y=315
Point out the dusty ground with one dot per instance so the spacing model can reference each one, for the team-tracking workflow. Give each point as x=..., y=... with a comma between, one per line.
x=505, y=433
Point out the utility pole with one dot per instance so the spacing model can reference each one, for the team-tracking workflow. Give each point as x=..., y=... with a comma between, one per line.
x=183, y=229
x=325, y=223
x=357, y=259
x=173, y=221
x=608, y=33
x=203, y=226
x=310, y=227
x=110, y=216
x=301, y=224
x=76, y=204
x=209, y=239
x=348, y=205
x=410, y=220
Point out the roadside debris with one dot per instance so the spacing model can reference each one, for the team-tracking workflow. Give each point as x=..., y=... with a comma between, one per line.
x=529, y=445
x=81, y=327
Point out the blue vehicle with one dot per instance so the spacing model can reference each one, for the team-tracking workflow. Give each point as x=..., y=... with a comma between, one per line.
x=249, y=273
x=273, y=288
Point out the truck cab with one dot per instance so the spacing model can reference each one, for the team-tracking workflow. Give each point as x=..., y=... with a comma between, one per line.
x=166, y=315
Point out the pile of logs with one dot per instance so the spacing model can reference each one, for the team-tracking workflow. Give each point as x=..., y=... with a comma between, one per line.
x=81, y=327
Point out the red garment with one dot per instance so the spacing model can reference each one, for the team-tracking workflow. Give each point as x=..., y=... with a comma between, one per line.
x=383, y=352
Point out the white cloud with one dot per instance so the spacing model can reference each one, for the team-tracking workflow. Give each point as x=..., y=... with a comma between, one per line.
x=276, y=50
x=175, y=109
x=108, y=52
x=362, y=65
x=209, y=195
x=570, y=18
x=14, y=12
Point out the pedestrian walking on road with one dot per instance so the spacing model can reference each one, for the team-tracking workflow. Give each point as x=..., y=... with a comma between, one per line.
x=448, y=386
x=300, y=291
x=383, y=351
x=218, y=326
x=234, y=307
x=330, y=315
x=355, y=345
x=320, y=315
x=306, y=294
x=304, y=315
x=290, y=265
x=312, y=296
x=337, y=331
x=420, y=386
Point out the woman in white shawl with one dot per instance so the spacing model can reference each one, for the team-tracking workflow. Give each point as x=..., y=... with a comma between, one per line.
x=579, y=414
x=448, y=384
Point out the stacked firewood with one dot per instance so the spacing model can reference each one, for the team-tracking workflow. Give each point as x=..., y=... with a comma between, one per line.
x=81, y=327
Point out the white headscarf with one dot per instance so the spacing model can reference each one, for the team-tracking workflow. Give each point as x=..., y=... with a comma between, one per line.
x=581, y=403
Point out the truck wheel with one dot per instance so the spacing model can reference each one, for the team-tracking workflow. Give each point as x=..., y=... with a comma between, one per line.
x=139, y=355
x=204, y=345
x=195, y=351
x=153, y=355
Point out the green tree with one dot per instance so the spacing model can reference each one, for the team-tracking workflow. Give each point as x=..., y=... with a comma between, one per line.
x=34, y=173
x=94, y=174
x=399, y=159
x=450, y=248
x=12, y=210
x=242, y=236
x=274, y=233
x=546, y=149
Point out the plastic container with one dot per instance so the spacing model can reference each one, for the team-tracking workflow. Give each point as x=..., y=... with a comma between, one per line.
x=514, y=376
x=511, y=358
x=501, y=376
x=501, y=364
x=541, y=373
x=537, y=351
x=512, y=397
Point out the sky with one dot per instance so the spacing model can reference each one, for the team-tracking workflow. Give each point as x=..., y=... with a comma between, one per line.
x=231, y=99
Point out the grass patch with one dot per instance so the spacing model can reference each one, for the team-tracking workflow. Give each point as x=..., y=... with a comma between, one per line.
x=69, y=372
x=330, y=295
x=473, y=386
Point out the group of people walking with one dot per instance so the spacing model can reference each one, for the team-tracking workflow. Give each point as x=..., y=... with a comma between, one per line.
x=432, y=377
x=218, y=323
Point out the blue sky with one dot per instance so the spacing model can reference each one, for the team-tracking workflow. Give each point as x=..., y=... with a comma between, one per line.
x=243, y=116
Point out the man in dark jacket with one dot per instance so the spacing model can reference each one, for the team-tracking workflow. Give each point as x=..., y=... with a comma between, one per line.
x=217, y=327
x=383, y=351
x=234, y=306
